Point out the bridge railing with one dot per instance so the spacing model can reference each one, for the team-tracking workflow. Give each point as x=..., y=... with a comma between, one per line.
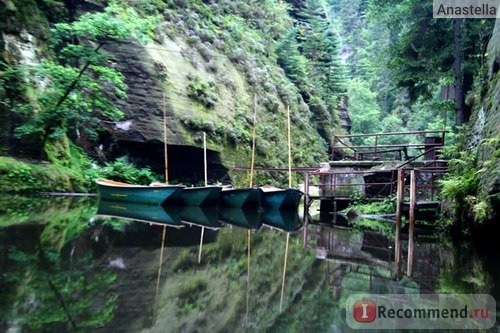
x=349, y=183
x=372, y=184
x=399, y=149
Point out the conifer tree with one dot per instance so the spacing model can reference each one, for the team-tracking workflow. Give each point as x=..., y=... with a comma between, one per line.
x=293, y=62
x=320, y=44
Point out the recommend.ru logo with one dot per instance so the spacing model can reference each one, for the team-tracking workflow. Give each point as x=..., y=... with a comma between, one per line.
x=426, y=311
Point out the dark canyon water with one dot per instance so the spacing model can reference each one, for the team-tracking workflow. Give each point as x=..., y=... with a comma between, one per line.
x=67, y=266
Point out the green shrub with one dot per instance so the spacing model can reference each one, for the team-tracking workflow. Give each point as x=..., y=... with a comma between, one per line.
x=121, y=171
x=21, y=177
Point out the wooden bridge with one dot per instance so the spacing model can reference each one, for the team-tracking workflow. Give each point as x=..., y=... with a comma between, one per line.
x=407, y=171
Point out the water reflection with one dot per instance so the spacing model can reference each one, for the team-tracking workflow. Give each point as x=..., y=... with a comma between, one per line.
x=192, y=270
x=140, y=212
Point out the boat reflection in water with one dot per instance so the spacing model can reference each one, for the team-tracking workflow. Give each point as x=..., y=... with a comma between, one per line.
x=246, y=218
x=203, y=217
x=200, y=216
x=140, y=212
x=284, y=219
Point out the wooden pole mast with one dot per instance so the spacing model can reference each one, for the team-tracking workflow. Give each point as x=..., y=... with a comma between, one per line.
x=165, y=139
x=289, y=148
x=253, y=139
x=205, y=157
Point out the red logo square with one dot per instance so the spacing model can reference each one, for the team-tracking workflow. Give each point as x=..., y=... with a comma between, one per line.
x=364, y=311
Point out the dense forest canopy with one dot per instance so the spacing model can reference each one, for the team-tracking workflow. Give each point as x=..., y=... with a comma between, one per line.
x=400, y=58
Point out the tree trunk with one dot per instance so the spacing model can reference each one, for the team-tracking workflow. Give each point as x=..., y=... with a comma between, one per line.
x=457, y=69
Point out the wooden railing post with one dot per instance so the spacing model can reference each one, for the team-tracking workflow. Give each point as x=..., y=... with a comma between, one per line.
x=400, y=183
x=413, y=204
x=306, y=196
x=333, y=147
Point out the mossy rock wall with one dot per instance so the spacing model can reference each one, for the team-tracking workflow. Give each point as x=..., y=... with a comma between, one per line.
x=484, y=128
x=207, y=86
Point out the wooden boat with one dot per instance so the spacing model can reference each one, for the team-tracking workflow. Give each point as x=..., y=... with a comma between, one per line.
x=245, y=218
x=274, y=198
x=200, y=196
x=287, y=220
x=154, y=195
x=155, y=214
x=241, y=197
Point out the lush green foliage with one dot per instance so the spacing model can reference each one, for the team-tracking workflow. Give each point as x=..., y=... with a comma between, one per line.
x=460, y=189
x=363, y=110
x=120, y=171
x=295, y=64
x=17, y=177
x=72, y=100
x=117, y=22
x=365, y=206
x=402, y=57
x=20, y=177
x=67, y=99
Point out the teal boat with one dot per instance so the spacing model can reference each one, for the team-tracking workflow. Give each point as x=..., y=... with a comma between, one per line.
x=154, y=214
x=283, y=219
x=200, y=216
x=281, y=199
x=248, y=218
x=200, y=196
x=241, y=198
x=157, y=194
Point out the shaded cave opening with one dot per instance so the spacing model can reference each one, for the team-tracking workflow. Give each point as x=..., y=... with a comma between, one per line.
x=185, y=163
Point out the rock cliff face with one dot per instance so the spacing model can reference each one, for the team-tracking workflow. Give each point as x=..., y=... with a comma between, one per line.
x=161, y=76
x=212, y=68
x=484, y=127
x=205, y=85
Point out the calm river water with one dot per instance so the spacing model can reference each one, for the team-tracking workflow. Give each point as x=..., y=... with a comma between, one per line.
x=68, y=266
